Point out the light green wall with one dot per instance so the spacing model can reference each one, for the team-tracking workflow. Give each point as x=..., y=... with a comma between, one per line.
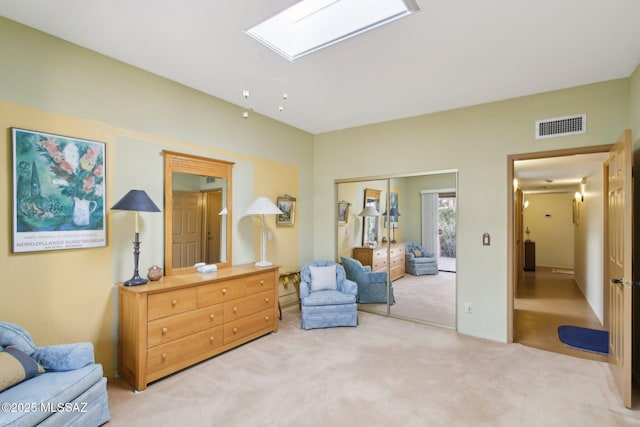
x=475, y=141
x=634, y=106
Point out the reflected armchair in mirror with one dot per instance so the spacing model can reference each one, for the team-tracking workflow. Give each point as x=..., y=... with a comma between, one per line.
x=372, y=286
x=418, y=261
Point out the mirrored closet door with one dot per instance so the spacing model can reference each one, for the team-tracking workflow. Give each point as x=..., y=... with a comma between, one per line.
x=401, y=230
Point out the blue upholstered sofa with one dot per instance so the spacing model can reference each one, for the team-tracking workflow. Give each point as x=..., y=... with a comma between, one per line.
x=417, y=261
x=372, y=286
x=57, y=385
x=327, y=298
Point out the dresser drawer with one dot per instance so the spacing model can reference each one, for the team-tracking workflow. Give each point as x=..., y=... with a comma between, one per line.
x=216, y=293
x=169, y=328
x=396, y=251
x=173, y=302
x=174, y=352
x=241, y=307
x=397, y=261
x=260, y=282
x=379, y=264
x=248, y=325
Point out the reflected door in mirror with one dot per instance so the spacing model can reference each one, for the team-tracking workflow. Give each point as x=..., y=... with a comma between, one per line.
x=187, y=228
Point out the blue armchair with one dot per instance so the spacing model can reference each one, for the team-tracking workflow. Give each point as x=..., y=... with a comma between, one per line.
x=372, y=286
x=418, y=261
x=327, y=298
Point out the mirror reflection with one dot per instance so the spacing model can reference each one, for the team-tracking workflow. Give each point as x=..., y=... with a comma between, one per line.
x=414, y=244
x=197, y=202
x=198, y=233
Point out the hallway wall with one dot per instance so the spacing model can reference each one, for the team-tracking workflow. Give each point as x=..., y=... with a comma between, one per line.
x=549, y=217
x=589, y=244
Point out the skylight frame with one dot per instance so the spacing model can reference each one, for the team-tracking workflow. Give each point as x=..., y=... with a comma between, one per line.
x=290, y=33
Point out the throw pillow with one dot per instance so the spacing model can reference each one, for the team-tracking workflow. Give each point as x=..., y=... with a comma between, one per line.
x=323, y=278
x=417, y=253
x=64, y=357
x=15, y=367
x=14, y=335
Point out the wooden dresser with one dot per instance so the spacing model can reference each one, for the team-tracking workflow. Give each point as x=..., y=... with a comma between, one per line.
x=180, y=320
x=377, y=258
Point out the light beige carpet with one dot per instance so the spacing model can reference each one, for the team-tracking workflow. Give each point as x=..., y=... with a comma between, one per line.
x=429, y=298
x=385, y=372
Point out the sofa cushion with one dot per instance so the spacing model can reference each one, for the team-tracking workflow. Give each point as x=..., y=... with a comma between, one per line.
x=328, y=297
x=323, y=278
x=14, y=335
x=64, y=357
x=424, y=260
x=15, y=367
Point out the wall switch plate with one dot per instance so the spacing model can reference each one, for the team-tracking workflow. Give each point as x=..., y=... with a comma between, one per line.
x=467, y=307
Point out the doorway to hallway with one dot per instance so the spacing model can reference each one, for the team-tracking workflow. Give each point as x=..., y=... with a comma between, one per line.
x=546, y=299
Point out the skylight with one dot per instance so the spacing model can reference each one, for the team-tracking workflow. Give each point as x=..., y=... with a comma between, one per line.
x=311, y=25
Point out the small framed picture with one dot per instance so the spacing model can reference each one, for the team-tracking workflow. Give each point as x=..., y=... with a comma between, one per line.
x=287, y=205
x=343, y=212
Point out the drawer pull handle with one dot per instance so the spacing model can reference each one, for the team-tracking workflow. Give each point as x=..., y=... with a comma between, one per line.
x=164, y=330
x=261, y=282
x=266, y=318
x=235, y=309
x=211, y=316
x=235, y=330
x=174, y=302
x=266, y=300
x=164, y=356
x=211, y=339
x=224, y=291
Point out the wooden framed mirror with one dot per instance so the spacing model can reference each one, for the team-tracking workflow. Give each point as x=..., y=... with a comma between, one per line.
x=197, y=206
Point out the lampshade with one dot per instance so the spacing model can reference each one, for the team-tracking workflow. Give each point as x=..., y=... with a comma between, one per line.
x=261, y=206
x=136, y=200
x=369, y=211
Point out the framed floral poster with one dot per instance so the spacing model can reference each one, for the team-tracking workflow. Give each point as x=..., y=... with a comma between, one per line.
x=58, y=192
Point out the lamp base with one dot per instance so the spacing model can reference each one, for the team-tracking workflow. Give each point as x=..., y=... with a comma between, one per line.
x=263, y=264
x=135, y=281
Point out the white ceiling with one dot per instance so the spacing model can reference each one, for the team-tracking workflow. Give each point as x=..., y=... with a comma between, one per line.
x=565, y=173
x=453, y=53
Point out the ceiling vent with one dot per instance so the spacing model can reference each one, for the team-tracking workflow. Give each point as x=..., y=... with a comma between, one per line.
x=560, y=126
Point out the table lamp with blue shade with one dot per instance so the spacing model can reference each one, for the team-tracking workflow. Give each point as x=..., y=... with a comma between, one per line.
x=138, y=201
x=393, y=212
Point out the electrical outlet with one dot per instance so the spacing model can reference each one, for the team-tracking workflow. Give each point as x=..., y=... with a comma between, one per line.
x=467, y=307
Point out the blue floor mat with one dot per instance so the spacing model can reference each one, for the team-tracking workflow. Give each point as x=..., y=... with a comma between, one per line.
x=593, y=340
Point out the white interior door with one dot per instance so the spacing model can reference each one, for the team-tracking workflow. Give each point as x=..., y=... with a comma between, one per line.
x=619, y=256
